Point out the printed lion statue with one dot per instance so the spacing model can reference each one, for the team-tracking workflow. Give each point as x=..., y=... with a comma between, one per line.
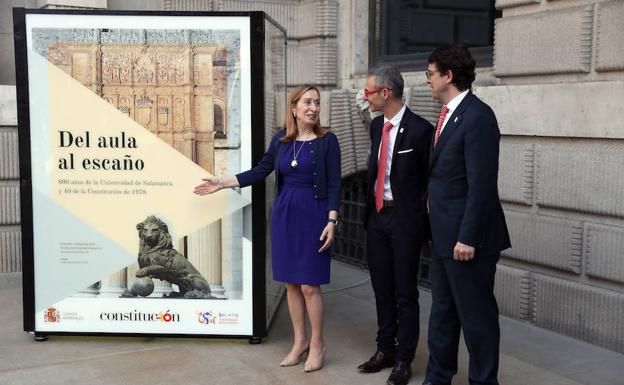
x=158, y=259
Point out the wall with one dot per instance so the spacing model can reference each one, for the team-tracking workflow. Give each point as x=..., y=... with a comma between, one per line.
x=10, y=235
x=559, y=67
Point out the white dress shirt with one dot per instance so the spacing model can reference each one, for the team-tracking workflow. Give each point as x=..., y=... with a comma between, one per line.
x=396, y=120
x=452, y=106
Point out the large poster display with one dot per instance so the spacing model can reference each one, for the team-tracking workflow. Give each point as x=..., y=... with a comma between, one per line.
x=126, y=113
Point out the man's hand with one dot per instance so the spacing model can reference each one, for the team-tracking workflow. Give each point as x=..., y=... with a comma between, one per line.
x=463, y=252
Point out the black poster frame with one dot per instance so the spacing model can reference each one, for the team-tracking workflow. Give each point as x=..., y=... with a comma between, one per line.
x=259, y=227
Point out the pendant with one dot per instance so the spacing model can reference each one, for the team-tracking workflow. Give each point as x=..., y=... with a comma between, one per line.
x=293, y=164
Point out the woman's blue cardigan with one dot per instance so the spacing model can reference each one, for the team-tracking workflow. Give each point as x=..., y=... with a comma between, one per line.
x=325, y=170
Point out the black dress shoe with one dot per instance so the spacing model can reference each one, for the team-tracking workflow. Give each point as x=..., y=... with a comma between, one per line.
x=401, y=373
x=378, y=361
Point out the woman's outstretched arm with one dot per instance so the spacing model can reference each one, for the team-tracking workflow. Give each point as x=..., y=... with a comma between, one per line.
x=213, y=184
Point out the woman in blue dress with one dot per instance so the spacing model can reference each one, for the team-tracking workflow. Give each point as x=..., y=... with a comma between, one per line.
x=306, y=160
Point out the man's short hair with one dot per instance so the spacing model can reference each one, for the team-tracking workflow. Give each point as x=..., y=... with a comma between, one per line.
x=388, y=77
x=458, y=59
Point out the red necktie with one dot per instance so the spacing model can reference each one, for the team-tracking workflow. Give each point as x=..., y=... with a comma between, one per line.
x=381, y=166
x=441, y=118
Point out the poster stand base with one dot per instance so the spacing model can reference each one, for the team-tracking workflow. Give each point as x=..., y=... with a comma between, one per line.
x=40, y=337
x=255, y=340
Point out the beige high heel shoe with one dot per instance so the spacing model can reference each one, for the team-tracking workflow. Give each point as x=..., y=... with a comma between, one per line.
x=311, y=367
x=292, y=362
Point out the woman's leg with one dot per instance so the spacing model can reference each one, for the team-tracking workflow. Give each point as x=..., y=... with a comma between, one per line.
x=296, y=308
x=314, y=305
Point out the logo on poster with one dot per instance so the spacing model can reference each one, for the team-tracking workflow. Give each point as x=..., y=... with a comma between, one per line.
x=230, y=318
x=211, y=317
x=51, y=315
x=135, y=315
x=72, y=316
x=206, y=317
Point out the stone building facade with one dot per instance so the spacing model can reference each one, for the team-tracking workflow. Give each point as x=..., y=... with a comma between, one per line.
x=556, y=85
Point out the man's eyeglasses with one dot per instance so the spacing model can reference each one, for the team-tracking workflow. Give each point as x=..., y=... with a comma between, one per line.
x=429, y=74
x=367, y=92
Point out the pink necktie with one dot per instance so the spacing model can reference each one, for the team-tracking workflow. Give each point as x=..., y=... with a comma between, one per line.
x=441, y=118
x=381, y=166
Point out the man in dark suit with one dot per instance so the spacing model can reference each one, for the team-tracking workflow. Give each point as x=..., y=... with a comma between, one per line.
x=395, y=220
x=467, y=223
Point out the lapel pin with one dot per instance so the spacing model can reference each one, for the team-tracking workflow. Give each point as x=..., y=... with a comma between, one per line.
x=455, y=121
x=401, y=130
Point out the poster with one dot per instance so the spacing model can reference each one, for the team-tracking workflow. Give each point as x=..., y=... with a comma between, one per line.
x=127, y=113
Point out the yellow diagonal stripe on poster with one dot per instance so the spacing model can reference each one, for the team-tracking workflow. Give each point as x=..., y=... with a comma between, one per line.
x=114, y=201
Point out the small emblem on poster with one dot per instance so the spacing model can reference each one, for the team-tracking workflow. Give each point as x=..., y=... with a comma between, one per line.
x=51, y=315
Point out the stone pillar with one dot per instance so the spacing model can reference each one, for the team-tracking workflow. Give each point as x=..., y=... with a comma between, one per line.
x=203, y=104
x=232, y=251
x=114, y=284
x=130, y=274
x=204, y=252
x=352, y=43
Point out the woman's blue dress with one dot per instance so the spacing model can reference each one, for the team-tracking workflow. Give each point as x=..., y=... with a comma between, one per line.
x=297, y=221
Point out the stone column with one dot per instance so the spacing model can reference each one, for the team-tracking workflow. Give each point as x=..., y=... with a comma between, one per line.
x=203, y=104
x=204, y=252
x=204, y=246
x=114, y=284
x=232, y=251
x=130, y=274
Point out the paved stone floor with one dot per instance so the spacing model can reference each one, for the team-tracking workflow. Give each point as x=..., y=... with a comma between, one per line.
x=529, y=355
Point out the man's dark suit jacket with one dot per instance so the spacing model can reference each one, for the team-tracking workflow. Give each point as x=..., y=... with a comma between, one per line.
x=463, y=194
x=408, y=172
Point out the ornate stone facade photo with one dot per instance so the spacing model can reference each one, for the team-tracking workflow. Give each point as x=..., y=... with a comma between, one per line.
x=182, y=86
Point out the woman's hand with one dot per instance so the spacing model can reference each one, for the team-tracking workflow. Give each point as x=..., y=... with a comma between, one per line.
x=211, y=185
x=327, y=236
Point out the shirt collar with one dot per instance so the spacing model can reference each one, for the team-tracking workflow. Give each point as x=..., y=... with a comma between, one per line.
x=452, y=105
x=396, y=119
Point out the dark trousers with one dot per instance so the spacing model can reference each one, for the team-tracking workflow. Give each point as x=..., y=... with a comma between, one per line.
x=393, y=255
x=463, y=298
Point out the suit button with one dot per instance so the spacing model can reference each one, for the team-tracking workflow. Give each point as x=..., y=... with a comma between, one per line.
x=313, y=173
x=316, y=196
x=314, y=186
